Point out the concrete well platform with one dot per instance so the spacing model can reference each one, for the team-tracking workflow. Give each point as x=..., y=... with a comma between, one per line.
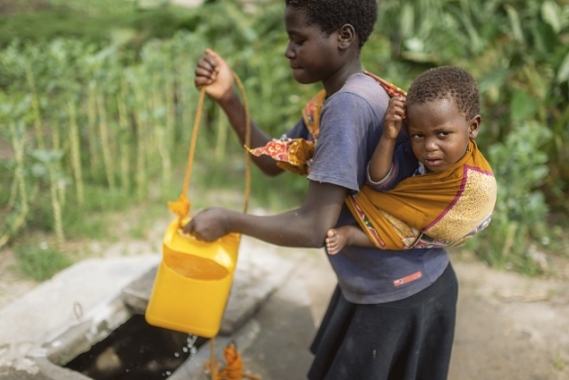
x=277, y=298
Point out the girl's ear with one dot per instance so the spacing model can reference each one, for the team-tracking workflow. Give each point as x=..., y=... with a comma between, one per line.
x=474, y=126
x=346, y=36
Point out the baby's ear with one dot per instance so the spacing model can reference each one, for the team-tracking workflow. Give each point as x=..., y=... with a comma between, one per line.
x=474, y=126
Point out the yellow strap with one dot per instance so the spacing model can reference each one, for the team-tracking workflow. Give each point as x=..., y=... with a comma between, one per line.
x=193, y=142
x=247, y=143
x=182, y=206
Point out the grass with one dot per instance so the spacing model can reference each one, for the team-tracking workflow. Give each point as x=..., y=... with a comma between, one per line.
x=39, y=260
x=111, y=216
x=558, y=362
x=50, y=22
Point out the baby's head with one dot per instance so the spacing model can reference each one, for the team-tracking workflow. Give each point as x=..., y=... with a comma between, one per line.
x=330, y=15
x=446, y=82
x=442, y=115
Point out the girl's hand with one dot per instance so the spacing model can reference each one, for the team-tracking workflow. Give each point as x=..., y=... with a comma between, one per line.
x=394, y=117
x=208, y=225
x=215, y=74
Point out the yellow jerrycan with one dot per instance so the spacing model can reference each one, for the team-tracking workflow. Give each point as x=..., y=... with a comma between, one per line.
x=194, y=278
x=193, y=283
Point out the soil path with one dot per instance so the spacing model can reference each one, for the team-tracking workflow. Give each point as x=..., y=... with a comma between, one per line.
x=510, y=327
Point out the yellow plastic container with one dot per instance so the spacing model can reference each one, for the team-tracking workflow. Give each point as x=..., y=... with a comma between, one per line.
x=193, y=282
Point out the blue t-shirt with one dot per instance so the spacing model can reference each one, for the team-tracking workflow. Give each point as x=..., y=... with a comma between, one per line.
x=351, y=122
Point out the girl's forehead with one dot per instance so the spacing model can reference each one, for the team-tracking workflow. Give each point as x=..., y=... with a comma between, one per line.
x=296, y=15
x=297, y=18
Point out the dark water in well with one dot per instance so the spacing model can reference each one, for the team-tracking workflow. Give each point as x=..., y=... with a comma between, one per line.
x=136, y=351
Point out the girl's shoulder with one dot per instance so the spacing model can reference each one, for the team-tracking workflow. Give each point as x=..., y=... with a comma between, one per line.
x=363, y=91
x=365, y=86
x=360, y=93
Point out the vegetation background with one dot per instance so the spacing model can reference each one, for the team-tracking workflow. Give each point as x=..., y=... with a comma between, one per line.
x=97, y=105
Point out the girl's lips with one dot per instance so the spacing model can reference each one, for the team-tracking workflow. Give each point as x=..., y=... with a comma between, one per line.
x=293, y=65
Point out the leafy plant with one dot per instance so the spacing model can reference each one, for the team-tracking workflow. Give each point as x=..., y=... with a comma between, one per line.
x=39, y=261
x=521, y=210
x=108, y=113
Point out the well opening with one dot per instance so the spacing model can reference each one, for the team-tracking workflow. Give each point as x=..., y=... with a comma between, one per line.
x=136, y=350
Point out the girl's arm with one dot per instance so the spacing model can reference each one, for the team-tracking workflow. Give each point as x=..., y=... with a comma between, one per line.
x=302, y=227
x=215, y=74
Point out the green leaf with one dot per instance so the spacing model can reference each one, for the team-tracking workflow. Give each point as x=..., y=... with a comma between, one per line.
x=415, y=45
x=537, y=80
x=407, y=21
x=515, y=21
x=39, y=171
x=492, y=82
x=563, y=71
x=47, y=156
x=550, y=13
x=523, y=106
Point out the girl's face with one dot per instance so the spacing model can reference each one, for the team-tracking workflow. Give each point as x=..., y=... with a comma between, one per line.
x=439, y=133
x=313, y=56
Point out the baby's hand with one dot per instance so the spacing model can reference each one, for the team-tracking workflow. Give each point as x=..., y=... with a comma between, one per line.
x=394, y=117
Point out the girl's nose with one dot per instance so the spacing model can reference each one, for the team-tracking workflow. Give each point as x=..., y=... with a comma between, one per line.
x=289, y=53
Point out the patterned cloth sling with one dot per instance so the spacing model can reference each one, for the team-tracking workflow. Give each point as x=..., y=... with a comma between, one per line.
x=429, y=210
x=295, y=155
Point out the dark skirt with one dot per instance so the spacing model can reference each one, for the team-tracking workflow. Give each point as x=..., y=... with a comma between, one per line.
x=409, y=339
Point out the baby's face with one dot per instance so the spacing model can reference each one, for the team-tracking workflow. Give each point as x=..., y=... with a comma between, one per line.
x=439, y=133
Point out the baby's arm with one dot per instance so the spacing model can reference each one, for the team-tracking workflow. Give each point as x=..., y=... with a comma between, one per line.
x=382, y=158
x=338, y=238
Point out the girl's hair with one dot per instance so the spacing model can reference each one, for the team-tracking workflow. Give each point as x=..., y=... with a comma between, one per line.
x=330, y=15
x=446, y=82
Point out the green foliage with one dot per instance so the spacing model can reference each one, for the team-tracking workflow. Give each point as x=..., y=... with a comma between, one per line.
x=94, y=25
x=105, y=91
x=90, y=221
x=518, y=52
x=39, y=261
x=520, y=213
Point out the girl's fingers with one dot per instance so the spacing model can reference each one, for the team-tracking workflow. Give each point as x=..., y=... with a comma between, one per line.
x=213, y=58
x=201, y=81
x=203, y=72
x=188, y=228
x=210, y=62
x=203, y=77
x=213, y=55
x=206, y=63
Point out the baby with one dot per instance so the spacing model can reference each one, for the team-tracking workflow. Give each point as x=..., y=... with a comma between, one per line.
x=434, y=190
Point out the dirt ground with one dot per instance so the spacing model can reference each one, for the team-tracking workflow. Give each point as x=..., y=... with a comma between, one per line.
x=509, y=327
